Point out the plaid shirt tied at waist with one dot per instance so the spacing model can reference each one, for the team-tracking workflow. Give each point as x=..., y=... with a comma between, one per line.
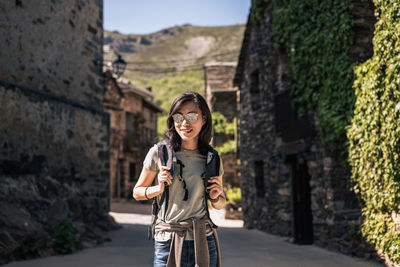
x=178, y=230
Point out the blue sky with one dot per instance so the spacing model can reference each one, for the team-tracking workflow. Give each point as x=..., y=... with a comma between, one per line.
x=147, y=16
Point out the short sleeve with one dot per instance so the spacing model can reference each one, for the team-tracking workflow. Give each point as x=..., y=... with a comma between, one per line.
x=221, y=167
x=151, y=160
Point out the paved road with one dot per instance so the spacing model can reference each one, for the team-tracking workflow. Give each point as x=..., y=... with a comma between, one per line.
x=240, y=247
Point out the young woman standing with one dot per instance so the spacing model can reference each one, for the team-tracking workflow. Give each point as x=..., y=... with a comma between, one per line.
x=186, y=236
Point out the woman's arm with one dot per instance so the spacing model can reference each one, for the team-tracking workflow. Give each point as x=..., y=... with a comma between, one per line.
x=143, y=187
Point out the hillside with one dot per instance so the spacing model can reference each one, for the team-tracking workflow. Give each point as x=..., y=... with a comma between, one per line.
x=171, y=60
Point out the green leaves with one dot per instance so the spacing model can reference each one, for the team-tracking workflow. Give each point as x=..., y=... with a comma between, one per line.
x=257, y=10
x=374, y=134
x=317, y=36
x=234, y=195
x=221, y=124
x=64, y=237
x=357, y=107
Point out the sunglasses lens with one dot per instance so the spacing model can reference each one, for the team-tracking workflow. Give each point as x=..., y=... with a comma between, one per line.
x=191, y=117
x=178, y=118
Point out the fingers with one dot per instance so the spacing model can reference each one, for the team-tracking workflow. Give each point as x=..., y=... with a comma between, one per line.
x=165, y=176
x=214, y=193
x=215, y=180
x=164, y=180
x=163, y=168
x=214, y=186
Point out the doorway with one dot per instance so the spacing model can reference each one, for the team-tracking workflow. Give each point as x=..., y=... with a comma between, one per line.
x=301, y=200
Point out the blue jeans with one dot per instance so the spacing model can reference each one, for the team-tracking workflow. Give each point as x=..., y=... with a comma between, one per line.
x=161, y=252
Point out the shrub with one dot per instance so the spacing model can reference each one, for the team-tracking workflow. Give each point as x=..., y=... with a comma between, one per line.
x=64, y=237
x=234, y=195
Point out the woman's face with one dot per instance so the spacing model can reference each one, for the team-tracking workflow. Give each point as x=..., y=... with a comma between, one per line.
x=189, y=125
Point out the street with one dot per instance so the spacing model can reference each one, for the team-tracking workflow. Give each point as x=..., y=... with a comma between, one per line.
x=240, y=247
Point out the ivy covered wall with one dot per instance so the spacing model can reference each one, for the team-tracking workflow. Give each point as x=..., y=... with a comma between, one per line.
x=317, y=36
x=374, y=134
x=357, y=104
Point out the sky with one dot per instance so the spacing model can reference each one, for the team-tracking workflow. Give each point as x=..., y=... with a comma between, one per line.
x=147, y=16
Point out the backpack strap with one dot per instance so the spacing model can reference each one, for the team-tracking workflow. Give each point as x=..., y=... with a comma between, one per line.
x=212, y=169
x=166, y=155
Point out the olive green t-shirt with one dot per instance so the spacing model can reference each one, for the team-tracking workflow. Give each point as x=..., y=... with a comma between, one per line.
x=178, y=209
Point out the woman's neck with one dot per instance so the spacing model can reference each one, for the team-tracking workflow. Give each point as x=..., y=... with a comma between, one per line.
x=189, y=145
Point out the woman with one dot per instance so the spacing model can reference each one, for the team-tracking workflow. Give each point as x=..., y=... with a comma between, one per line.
x=189, y=127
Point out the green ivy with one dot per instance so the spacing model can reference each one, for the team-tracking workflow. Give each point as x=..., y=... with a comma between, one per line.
x=317, y=35
x=374, y=135
x=257, y=10
x=234, y=195
x=227, y=147
x=221, y=124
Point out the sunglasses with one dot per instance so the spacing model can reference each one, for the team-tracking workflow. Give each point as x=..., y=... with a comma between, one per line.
x=190, y=117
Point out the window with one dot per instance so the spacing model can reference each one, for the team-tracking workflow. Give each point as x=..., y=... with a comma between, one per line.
x=255, y=90
x=130, y=121
x=259, y=178
x=288, y=125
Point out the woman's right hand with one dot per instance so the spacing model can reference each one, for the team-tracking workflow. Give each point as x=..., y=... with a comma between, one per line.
x=164, y=178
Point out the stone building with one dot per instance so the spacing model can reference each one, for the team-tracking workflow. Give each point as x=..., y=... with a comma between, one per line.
x=54, y=160
x=133, y=129
x=290, y=186
x=223, y=97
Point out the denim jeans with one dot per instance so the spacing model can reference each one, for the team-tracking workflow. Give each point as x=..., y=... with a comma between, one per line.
x=161, y=252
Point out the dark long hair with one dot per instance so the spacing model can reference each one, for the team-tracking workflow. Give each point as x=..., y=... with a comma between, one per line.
x=205, y=132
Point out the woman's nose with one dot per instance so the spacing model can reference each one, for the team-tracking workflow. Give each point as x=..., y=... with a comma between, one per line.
x=185, y=122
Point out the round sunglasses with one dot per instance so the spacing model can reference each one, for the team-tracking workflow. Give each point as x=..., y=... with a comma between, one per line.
x=191, y=117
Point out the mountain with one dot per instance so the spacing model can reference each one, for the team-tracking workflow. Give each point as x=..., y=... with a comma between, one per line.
x=178, y=46
x=171, y=60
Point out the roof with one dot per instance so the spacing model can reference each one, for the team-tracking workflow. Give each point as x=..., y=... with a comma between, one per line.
x=152, y=106
x=126, y=87
x=147, y=96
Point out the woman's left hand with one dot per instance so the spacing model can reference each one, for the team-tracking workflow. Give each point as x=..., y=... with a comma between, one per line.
x=216, y=188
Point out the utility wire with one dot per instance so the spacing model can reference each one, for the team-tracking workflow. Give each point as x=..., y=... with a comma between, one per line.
x=164, y=71
x=193, y=68
x=177, y=61
x=167, y=70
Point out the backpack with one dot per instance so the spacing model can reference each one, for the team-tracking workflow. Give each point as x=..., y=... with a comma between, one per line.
x=167, y=158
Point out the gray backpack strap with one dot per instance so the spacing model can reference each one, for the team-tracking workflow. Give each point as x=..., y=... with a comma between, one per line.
x=212, y=169
x=212, y=164
x=166, y=155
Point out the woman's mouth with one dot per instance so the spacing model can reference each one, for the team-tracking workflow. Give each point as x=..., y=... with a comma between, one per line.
x=186, y=131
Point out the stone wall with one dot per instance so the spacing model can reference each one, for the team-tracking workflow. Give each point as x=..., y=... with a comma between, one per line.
x=55, y=46
x=278, y=149
x=54, y=160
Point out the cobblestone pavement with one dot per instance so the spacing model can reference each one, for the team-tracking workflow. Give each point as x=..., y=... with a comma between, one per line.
x=240, y=247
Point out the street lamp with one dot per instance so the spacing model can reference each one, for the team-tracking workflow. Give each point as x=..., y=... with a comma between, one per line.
x=119, y=66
